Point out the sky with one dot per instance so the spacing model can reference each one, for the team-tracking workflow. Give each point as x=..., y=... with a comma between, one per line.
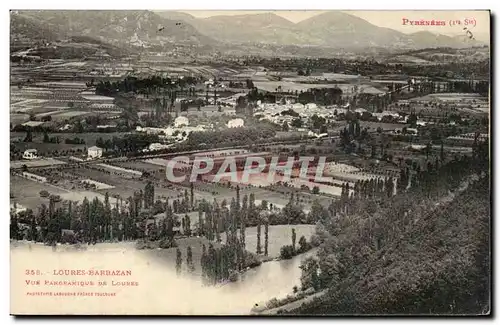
x=391, y=19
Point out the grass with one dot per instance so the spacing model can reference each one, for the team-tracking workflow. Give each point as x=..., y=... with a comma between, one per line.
x=27, y=192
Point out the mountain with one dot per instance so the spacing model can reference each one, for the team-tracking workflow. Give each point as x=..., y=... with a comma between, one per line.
x=258, y=28
x=119, y=27
x=25, y=32
x=176, y=15
x=265, y=32
x=267, y=28
x=335, y=29
x=339, y=29
x=427, y=40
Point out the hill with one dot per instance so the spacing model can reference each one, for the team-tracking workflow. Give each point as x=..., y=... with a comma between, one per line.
x=424, y=251
x=262, y=28
x=339, y=29
x=333, y=29
x=119, y=27
x=26, y=32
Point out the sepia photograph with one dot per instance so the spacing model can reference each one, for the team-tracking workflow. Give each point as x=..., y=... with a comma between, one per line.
x=250, y=163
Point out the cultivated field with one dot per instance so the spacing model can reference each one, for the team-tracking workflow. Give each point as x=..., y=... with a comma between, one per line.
x=27, y=192
x=36, y=163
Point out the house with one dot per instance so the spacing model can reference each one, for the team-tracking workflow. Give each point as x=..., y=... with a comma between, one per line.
x=94, y=152
x=181, y=121
x=157, y=146
x=235, y=123
x=30, y=154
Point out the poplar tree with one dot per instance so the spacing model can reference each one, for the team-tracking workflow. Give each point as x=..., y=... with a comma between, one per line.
x=266, y=238
x=189, y=259
x=178, y=262
x=259, y=250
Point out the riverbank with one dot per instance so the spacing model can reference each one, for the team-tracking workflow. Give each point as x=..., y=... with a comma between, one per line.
x=164, y=291
x=290, y=306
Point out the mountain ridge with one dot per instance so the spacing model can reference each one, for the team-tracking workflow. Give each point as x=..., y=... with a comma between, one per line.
x=311, y=31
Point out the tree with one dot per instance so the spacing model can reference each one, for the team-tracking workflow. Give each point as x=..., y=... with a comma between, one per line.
x=189, y=259
x=294, y=238
x=29, y=135
x=309, y=277
x=297, y=123
x=259, y=249
x=14, y=227
x=178, y=261
x=302, y=244
x=266, y=238
x=149, y=195
x=192, y=195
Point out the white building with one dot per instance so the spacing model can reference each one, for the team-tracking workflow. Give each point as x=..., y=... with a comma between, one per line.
x=30, y=154
x=94, y=152
x=157, y=146
x=181, y=121
x=235, y=123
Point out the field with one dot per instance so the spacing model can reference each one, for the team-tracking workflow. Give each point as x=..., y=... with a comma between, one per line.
x=124, y=187
x=140, y=165
x=27, y=192
x=98, y=185
x=36, y=163
x=116, y=169
x=279, y=236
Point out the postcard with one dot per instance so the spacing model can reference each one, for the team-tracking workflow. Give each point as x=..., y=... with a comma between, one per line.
x=250, y=162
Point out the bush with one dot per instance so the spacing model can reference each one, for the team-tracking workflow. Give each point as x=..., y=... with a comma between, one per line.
x=251, y=260
x=167, y=243
x=304, y=246
x=286, y=252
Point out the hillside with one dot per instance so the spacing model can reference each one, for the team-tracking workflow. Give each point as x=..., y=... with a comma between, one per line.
x=26, y=32
x=263, y=28
x=428, y=39
x=426, y=251
x=266, y=33
x=333, y=29
x=119, y=27
x=339, y=29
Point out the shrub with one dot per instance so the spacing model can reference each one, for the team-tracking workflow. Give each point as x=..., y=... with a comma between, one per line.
x=286, y=252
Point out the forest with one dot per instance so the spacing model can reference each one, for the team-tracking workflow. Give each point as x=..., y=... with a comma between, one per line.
x=422, y=251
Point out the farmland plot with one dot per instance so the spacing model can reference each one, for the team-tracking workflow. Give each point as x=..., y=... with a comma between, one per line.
x=27, y=192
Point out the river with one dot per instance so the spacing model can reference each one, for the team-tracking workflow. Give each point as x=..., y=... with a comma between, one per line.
x=159, y=290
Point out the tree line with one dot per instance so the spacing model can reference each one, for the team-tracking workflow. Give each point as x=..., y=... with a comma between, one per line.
x=364, y=242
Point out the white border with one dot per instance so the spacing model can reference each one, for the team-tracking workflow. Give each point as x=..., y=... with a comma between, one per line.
x=188, y=5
